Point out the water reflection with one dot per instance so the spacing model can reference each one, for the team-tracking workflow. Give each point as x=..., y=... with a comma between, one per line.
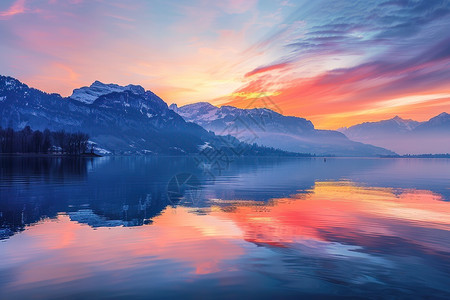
x=24, y=198
x=264, y=228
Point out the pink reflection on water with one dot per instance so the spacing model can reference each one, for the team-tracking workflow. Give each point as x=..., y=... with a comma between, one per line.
x=334, y=219
x=343, y=209
x=62, y=250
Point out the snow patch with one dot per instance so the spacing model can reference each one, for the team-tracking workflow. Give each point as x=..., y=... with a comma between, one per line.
x=204, y=146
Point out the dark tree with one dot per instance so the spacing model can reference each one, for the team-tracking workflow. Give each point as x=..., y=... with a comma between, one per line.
x=29, y=141
x=47, y=141
x=37, y=141
x=60, y=139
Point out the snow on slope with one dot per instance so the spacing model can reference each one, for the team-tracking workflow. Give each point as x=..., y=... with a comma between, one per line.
x=89, y=94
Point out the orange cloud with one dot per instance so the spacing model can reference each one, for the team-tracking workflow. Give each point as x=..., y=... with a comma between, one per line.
x=266, y=69
x=193, y=55
x=344, y=97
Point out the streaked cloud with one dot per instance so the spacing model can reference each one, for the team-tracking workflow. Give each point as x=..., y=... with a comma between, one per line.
x=17, y=7
x=353, y=58
x=322, y=60
x=266, y=69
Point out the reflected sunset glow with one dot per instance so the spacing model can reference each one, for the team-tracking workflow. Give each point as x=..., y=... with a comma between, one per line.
x=333, y=219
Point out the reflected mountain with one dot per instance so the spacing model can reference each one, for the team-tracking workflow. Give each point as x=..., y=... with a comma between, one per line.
x=274, y=228
x=26, y=193
x=131, y=191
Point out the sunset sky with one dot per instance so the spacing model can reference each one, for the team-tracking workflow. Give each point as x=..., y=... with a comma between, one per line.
x=336, y=63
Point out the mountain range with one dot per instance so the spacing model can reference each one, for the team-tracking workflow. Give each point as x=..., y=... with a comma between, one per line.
x=120, y=120
x=405, y=136
x=129, y=119
x=269, y=128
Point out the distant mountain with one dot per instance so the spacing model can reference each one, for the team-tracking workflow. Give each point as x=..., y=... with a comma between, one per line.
x=439, y=124
x=396, y=124
x=269, y=128
x=405, y=136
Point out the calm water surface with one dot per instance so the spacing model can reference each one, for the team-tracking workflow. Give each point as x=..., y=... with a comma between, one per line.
x=260, y=228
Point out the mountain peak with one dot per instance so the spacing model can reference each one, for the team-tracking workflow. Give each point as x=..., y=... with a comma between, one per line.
x=402, y=120
x=97, y=83
x=97, y=88
x=10, y=83
x=442, y=120
x=199, y=105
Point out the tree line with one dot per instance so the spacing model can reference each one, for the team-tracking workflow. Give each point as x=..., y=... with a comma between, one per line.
x=29, y=141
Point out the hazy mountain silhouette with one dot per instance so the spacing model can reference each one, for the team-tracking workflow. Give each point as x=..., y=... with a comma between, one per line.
x=405, y=136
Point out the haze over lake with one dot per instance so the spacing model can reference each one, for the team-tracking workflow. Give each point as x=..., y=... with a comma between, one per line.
x=153, y=227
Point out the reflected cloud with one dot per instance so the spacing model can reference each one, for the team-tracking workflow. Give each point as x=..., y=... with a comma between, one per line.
x=334, y=211
x=294, y=225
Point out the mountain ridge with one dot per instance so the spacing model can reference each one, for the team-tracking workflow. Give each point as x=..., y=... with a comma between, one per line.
x=128, y=118
x=269, y=128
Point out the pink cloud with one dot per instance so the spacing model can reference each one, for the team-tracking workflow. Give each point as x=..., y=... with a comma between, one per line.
x=18, y=7
x=236, y=6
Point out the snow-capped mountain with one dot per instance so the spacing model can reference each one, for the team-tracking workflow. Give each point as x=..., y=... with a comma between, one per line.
x=405, y=136
x=121, y=121
x=257, y=119
x=88, y=94
x=269, y=128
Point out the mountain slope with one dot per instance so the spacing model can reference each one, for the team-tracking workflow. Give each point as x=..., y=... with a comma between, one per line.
x=405, y=136
x=268, y=128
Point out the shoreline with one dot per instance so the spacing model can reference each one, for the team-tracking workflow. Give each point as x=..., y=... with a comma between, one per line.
x=84, y=155
x=92, y=155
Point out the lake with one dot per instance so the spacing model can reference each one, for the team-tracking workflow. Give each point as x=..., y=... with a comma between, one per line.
x=145, y=227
